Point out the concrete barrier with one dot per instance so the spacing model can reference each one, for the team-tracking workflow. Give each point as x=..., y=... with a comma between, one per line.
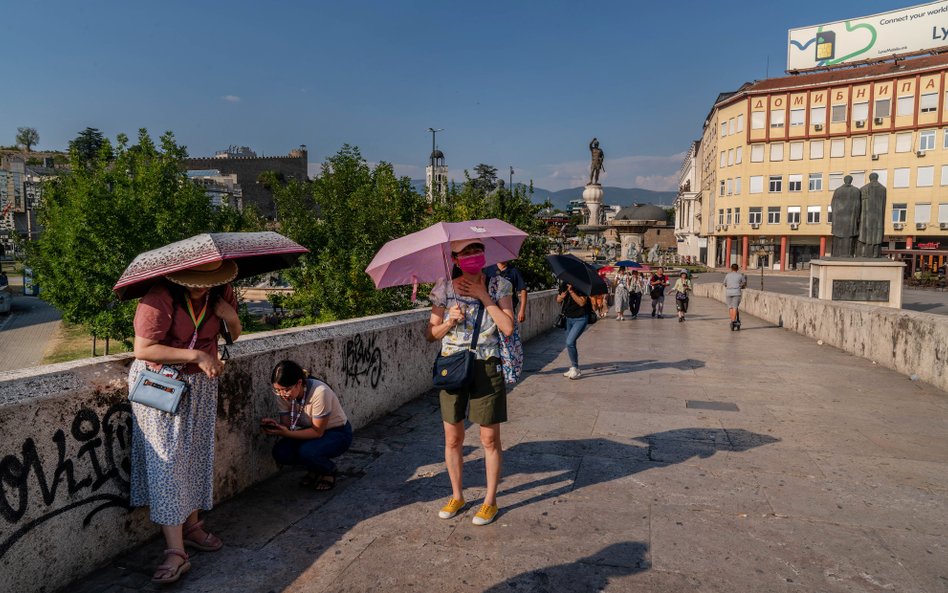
x=906, y=341
x=66, y=433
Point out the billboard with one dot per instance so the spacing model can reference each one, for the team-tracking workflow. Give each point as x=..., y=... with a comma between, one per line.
x=904, y=31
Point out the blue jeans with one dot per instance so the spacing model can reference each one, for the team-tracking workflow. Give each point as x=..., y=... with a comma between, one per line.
x=575, y=326
x=315, y=454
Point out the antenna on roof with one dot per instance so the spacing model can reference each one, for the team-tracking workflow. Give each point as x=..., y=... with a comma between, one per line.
x=767, y=71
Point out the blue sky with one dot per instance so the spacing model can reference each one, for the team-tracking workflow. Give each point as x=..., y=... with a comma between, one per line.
x=526, y=84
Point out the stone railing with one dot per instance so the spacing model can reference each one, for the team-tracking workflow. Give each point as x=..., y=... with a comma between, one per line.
x=66, y=433
x=906, y=341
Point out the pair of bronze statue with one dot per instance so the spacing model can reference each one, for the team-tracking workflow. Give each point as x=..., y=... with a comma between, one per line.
x=858, y=218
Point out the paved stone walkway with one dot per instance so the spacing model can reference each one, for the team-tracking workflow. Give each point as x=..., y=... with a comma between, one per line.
x=831, y=476
x=25, y=332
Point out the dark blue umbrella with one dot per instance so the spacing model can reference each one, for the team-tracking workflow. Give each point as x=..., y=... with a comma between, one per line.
x=583, y=276
x=628, y=263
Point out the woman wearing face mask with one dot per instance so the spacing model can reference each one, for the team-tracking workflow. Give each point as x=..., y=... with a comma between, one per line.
x=454, y=313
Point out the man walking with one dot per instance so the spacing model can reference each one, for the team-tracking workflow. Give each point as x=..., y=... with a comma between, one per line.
x=734, y=284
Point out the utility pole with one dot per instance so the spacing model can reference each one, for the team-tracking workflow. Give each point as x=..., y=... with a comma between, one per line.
x=433, y=131
x=510, y=187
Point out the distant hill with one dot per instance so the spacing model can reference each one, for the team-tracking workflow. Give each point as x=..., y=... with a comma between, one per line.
x=623, y=196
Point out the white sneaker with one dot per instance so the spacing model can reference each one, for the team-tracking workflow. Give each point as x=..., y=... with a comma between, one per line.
x=574, y=373
x=568, y=374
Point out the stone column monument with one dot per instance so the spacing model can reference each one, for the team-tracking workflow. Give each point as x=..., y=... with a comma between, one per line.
x=592, y=194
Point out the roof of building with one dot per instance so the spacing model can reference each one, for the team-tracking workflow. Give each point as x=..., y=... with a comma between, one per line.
x=642, y=212
x=437, y=154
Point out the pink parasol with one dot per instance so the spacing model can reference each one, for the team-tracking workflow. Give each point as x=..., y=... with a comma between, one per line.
x=425, y=256
x=254, y=253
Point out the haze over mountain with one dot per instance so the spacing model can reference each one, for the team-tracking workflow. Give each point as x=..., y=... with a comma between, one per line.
x=623, y=196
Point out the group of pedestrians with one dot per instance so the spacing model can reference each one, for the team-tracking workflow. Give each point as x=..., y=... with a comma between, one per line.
x=629, y=287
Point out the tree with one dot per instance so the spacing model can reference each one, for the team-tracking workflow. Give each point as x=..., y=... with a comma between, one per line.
x=87, y=146
x=114, y=205
x=27, y=137
x=485, y=177
x=344, y=216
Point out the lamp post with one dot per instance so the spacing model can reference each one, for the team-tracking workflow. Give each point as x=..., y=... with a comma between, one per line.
x=763, y=247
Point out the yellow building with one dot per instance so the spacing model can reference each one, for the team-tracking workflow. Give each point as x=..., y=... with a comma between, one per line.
x=773, y=152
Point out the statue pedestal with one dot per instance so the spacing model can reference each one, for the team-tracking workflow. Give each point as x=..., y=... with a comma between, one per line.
x=858, y=280
x=592, y=196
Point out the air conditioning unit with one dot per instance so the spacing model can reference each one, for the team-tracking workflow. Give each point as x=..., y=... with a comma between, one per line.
x=877, y=121
x=943, y=226
x=756, y=225
x=818, y=127
x=794, y=226
x=920, y=153
x=898, y=225
x=861, y=123
x=875, y=157
x=920, y=226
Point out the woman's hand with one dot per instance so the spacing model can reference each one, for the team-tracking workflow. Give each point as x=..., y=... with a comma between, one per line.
x=455, y=315
x=210, y=365
x=473, y=289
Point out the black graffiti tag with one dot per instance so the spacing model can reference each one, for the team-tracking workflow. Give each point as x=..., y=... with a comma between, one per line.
x=362, y=360
x=104, y=446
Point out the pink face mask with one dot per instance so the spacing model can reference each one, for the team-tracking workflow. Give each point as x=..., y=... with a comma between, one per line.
x=472, y=264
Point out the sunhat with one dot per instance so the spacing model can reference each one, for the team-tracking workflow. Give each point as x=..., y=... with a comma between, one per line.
x=205, y=275
x=459, y=245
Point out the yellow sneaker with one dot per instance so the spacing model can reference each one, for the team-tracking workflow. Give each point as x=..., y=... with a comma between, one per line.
x=486, y=514
x=451, y=509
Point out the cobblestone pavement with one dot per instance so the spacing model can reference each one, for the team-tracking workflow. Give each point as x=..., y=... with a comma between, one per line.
x=687, y=458
x=25, y=332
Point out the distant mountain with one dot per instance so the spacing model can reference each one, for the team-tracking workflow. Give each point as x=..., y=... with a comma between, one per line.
x=623, y=196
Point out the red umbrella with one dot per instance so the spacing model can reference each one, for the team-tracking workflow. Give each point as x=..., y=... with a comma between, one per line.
x=254, y=253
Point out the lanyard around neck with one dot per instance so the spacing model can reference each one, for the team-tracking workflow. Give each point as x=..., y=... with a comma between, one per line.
x=196, y=320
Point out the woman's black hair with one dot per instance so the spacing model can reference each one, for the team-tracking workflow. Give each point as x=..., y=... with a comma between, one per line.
x=180, y=293
x=287, y=373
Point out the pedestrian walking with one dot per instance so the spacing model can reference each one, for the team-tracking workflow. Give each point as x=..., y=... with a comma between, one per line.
x=622, y=281
x=577, y=308
x=172, y=472
x=637, y=286
x=657, y=284
x=734, y=284
x=312, y=426
x=459, y=306
x=682, y=287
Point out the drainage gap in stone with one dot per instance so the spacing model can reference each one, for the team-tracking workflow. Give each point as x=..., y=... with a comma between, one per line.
x=721, y=406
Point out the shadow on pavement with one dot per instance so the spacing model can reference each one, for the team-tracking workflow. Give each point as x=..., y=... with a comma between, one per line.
x=620, y=367
x=591, y=573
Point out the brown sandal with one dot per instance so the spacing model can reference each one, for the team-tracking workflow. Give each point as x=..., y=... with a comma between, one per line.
x=211, y=542
x=325, y=482
x=174, y=572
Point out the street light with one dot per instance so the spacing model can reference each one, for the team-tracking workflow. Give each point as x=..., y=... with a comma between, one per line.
x=763, y=247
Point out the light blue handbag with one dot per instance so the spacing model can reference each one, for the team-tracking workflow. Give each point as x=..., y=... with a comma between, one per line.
x=158, y=391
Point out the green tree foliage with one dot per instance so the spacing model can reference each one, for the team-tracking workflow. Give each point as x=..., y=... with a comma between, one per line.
x=344, y=216
x=27, y=138
x=485, y=178
x=115, y=204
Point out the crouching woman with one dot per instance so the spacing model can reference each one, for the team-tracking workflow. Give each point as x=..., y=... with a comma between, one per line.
x=313, y=427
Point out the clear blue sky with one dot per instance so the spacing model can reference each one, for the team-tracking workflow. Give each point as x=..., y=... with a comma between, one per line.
x=526, y=84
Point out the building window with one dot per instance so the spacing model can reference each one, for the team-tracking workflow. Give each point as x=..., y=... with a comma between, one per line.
x=835, y=181
x=796, y=151
x=817, y=115
x=923, y=213
x=756, y=184
x=795, y=182
x=925, y=177
x=859, y=146
x=903, y=142
x=900, y=177
x=776, y=152
x=740, y=123
x=758, y=119
x=773, y=214
x=837, y=148
x=883, y=107
x=776, y=184
x=905, y=105
x=730, y=126
x=860, y=111
x=883, y=175
x=816, y=182
x=816, y=149
x=928, y=103
x=737, y=216
x=756, y=214
x=777, y=118
x=944, y=175
x=813, y=215
x=898, y=212
x=942, y=213
x=757, y=153
x=730, y=186
x=737, y=186
x=730, y=157
x=723, y=159
x=738, y=155
x=859, y=178
x=723, y=129
x=721, y=216
x=829, y=214
x=797, y=117
x=722, y=187
x=926, y=140
x=727, y=220
x=793, y=215
x=880, y=143
x=838, y=114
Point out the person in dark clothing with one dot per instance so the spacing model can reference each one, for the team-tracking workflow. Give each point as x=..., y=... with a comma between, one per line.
x=577, y=308
x=513, y=275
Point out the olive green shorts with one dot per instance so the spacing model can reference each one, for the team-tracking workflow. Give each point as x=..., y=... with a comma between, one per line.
x=486, y=396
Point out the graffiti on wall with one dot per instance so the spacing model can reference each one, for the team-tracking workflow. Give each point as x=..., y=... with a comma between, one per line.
x=96, y=475
x=362, y=360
